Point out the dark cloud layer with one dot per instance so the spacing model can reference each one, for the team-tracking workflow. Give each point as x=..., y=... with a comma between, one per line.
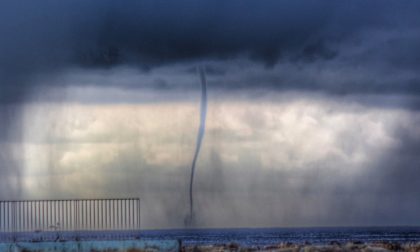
x=49, y=36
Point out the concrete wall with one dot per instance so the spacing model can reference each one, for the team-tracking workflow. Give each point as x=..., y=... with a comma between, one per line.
x=93, y=246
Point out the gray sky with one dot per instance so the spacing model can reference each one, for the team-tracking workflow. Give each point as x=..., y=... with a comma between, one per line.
x=312, y=116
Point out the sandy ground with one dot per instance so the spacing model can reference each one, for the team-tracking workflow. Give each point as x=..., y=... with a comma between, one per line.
x=289, y=247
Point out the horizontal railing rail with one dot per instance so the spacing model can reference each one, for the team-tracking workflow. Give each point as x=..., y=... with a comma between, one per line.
x=75, y=216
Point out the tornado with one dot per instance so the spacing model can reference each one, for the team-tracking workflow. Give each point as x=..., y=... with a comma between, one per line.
x=203, y=111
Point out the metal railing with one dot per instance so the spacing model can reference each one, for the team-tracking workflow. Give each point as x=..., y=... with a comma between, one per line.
x=68, y=219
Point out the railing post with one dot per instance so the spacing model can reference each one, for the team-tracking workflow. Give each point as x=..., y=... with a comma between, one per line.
x=14, y=220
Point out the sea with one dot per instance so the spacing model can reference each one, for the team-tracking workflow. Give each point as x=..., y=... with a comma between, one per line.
x=271, y=236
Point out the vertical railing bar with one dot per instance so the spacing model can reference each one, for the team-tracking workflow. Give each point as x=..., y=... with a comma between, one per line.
x=73, y=222
x=98, y=226
x=102, y=215
x=30, y=216
x=50, y=218
x=23, y=216
x=8, y=215
x=5, y=215
x=63, y=219
x=118, y=214
x=66, y=215
x=69, y=208
x=71, y=213
x=131, y=214
x=121, y=214
x=33, y=215
x=13, y=218
x=139, y=214
x=39, y=215
x=125, y=214
x=36, y=218
x=94, y=214
x=105, y=214
x=90, y=215
x=51, y=215
x=128, y=213
x=81, y=219
x=1, y=217
x=41, y=211
x=60, y=215
x=55, y=214
x=65, y=222
x=134, y=215
x=92, y=206
x=83, y=216
x=62, y=225
x=25, y=213
x=121, y=204
x=86, y=216
x=77, y=216
x=99, y=214
x=47, y=216
x=113, y=215
x=15, y=210
x=17, y=216
x=108, y=213
x=80, y=212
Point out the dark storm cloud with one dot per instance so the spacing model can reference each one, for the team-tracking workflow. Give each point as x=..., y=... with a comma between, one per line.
x=43, y=38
